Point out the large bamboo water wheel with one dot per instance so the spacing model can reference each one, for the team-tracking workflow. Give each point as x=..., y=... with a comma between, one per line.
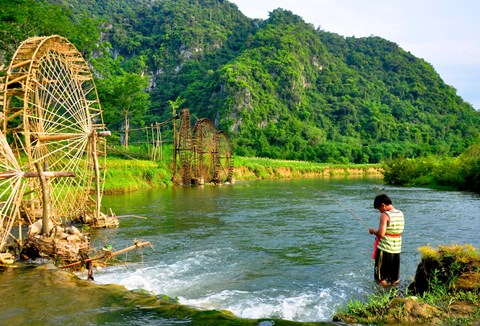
x=53, y=115
x=53, y=121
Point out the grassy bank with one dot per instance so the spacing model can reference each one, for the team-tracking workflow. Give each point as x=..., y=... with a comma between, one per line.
x=247, y=168
x=460, y=173
x=446, y=291
x=124, y=175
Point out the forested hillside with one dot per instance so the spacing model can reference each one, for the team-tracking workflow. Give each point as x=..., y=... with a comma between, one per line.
x=279, y=87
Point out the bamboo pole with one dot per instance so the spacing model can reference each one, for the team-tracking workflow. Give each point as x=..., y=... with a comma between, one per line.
x=98, y=195
x=148, y=142
x=45, y=198
x=108, y=255
x=57, y=137
x=47, y=174
x=136, y=216
x=160, y=142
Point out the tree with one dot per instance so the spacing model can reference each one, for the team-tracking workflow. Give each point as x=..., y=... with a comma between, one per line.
x=124, y=99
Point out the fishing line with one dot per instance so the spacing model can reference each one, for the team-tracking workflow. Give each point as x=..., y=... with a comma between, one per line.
x=344, y=207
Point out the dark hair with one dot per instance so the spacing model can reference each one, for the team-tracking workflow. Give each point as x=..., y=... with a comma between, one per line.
x=381, y=199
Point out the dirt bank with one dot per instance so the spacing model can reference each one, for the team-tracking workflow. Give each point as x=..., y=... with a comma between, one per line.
x=248, y=173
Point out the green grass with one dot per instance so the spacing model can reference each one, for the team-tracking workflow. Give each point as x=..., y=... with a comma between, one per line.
x=131, y=175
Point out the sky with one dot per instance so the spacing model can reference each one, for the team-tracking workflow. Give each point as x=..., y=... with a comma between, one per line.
x=445, y=33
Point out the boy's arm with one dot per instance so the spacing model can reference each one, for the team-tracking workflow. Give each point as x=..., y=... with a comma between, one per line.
x=382, y=227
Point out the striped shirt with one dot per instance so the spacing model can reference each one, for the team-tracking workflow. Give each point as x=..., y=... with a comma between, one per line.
x=392, y=241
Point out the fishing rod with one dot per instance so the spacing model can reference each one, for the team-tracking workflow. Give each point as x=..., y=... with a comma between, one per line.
x=344, y=207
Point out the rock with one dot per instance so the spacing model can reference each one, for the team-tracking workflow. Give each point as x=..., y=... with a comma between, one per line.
x=36, y=228
x=73, y=238
x=461, y=309
x=6, y=258
x=63, y=235
x=75, y=231
x=57, y=231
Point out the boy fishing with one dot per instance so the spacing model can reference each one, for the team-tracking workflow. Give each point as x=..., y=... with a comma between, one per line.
x=388, y=244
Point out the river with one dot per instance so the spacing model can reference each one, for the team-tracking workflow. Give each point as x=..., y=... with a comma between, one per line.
x=295, y=250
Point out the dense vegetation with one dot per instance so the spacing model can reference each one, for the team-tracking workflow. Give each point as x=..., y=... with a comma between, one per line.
x=462, y=172
x=279, y=87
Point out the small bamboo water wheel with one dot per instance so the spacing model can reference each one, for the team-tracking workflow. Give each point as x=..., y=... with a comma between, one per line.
x=53, y=120
x=225, y=158
x=185, y=149
x=205, y=154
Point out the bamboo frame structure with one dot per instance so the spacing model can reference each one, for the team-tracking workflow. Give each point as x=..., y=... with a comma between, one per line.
x=205, y=140
x=52, y=112
x=205, y=155
x=107, y=255
x=11, y=191
x=184, y=148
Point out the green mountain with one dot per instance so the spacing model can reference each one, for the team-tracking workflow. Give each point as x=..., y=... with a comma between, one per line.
x=279, y=87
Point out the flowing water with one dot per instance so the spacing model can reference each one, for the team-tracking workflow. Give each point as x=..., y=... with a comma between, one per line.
x=290, y=249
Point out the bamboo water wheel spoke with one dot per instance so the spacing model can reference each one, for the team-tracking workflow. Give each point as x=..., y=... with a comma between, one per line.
x=11, y=192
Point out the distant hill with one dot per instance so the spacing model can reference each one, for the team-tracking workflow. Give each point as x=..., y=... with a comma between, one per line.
x=279, y=87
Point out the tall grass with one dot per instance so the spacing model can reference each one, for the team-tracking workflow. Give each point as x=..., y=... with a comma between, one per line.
x=462, y=172
x=130, y=175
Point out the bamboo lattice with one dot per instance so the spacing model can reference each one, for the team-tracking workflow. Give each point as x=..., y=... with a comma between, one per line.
x=11, y=191
x=55, y=122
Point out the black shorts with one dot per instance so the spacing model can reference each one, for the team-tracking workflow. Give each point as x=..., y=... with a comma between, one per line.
x=387, y=266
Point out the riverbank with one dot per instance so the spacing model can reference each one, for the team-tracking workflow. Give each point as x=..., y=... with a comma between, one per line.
x=124, y=175
x=449, y=173
x=445, y=291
